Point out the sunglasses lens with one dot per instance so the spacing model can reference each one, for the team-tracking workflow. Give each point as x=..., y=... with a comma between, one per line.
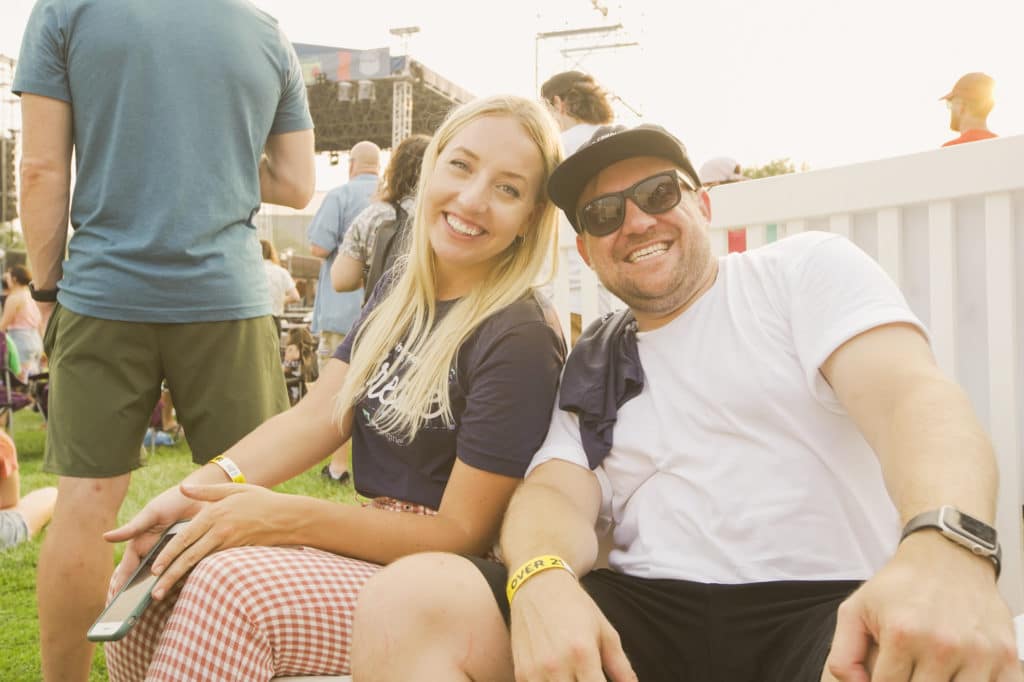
x=603, y=215
x=657, y=194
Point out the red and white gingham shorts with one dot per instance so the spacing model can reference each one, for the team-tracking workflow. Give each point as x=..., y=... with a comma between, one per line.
x=251, y=613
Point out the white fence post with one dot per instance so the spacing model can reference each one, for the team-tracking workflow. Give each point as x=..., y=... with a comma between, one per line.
x=890, y=241
x=942, y=277
x=1004, y=401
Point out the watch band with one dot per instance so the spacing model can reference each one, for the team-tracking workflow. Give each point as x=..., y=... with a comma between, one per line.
x=976, y=536
x=42, y=295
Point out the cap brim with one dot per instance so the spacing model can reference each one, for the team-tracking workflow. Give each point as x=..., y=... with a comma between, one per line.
x=569, y=179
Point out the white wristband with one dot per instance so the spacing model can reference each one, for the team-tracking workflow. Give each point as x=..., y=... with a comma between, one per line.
x=230, y=468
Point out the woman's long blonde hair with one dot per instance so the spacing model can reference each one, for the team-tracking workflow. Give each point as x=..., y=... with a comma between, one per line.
x=407, y=313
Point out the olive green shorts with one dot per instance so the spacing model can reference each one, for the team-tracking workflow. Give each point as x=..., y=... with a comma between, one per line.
x=225, y=379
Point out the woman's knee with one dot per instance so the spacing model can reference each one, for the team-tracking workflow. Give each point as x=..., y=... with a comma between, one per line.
x=408, y=600
x=422, y=588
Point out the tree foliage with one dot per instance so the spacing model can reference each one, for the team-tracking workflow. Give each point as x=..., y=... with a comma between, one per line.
x=776, y=167
x=11, y=239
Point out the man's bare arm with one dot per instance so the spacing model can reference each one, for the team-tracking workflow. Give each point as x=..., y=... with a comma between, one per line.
x=933, y=609
x=932, y=449
x=554, y=511
x=287, y=169
x=45, y=185
x=557, y=630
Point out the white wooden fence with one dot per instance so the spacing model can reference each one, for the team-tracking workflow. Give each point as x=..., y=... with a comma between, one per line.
x=948, y=226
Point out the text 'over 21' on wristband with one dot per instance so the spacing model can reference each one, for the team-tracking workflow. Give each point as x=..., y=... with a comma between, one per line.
x=533, y=567
x=229, y=467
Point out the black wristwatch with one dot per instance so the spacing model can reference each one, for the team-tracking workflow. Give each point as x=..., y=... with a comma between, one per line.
x=42, y=295
x=961, y=528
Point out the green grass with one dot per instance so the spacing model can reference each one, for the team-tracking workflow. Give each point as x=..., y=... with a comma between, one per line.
x=19, y=634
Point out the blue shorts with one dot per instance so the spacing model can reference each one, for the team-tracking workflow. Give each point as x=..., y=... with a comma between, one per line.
x=13, y=528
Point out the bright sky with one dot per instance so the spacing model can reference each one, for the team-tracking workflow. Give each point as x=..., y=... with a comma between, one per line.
x=825, y=83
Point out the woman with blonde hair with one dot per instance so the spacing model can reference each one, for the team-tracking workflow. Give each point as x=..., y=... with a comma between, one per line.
x=446, y=386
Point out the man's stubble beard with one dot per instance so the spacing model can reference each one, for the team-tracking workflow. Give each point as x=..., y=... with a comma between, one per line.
x=680, y=289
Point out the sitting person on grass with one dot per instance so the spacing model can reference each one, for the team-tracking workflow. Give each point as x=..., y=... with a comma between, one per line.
x=755, y=430
x=20, y=517
x=445, y=384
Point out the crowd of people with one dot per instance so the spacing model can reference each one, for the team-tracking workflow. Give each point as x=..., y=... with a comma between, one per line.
x=820, y=507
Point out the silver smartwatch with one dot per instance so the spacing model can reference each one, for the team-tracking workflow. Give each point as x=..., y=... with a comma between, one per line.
x=961, y=528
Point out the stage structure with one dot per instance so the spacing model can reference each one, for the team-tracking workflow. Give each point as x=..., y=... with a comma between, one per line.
x=369, y=95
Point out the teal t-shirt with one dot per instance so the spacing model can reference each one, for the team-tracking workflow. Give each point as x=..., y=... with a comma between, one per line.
x=172, y=101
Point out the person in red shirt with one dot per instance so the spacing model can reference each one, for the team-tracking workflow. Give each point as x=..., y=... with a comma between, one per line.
x=20, y=517
x=969, y=103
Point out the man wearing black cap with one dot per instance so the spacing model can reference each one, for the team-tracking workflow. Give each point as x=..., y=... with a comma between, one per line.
x=752, y=535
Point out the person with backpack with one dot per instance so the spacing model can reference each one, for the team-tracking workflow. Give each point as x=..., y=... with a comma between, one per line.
x=375, y=238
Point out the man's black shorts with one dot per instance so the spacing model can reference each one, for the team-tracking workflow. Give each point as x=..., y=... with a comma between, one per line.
x=680, y=631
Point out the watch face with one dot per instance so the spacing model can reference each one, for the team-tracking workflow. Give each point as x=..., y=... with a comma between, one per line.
x=982, y=531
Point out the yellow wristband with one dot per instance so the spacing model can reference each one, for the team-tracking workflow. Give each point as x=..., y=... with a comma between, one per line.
x=229, y=467
x=533, y=567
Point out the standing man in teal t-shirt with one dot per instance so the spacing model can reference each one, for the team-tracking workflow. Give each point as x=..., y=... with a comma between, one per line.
x=183, y=116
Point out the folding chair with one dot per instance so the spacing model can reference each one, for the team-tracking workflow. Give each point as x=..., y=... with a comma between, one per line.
x=16, y=394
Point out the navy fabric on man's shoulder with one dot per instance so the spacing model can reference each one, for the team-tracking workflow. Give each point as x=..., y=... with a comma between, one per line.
x=603, y=372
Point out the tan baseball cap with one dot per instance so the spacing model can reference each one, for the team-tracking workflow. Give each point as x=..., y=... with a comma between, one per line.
x=974, y=86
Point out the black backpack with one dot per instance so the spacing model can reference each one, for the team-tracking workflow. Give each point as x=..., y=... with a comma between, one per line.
x=389, y=245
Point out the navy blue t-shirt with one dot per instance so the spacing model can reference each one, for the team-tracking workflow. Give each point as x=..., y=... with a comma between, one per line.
x=502, y=391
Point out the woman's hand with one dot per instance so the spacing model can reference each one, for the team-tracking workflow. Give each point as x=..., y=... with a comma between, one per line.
x=234, y=515
x=146, y=527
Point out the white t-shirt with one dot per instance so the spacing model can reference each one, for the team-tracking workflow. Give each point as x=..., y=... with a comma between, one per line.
x=280, y=282
x=736, y=463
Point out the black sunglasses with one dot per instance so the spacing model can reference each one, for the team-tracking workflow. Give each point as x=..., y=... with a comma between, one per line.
x=659, y=193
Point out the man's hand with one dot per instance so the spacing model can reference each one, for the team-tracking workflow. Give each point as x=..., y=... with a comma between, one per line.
x=932, y=613
x=45, y=311
x=559, y=633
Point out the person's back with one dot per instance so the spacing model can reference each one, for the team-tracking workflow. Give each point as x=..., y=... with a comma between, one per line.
x=173, y=102
x=580, y=106
x=183, y=116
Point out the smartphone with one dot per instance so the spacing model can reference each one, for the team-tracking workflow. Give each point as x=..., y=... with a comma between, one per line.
x=131, y=600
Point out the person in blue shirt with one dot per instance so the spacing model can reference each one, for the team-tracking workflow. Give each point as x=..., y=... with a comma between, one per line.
x=183, y=117
x=333, y=311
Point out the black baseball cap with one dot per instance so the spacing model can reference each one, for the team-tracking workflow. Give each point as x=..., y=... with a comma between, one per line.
x=611, y=144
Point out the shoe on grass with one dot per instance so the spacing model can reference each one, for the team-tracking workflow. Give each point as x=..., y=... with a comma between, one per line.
x=329, y=475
